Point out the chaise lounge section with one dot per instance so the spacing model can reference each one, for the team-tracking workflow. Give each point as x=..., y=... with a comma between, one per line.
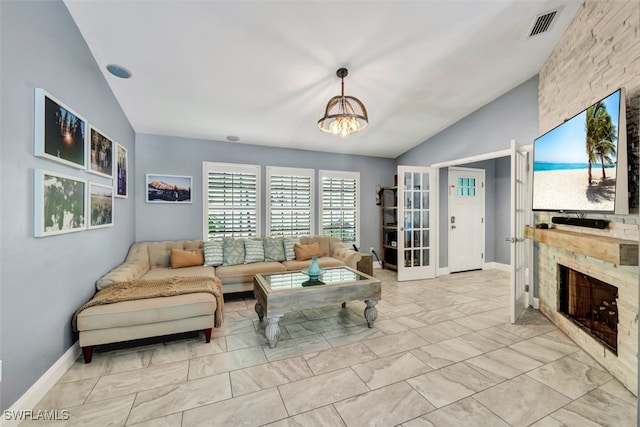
x=150, y=317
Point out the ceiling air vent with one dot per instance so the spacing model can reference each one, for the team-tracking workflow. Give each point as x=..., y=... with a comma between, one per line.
x=543, y=22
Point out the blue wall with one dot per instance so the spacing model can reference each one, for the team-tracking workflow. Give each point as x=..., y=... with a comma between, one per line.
x=513, y=115
x=44, y=280
x=169, y=155
x=491, y=128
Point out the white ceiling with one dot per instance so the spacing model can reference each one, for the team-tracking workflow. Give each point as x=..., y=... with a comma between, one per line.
x=264, y=70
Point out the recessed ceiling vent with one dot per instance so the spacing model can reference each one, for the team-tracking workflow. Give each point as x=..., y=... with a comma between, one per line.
x=543, y=22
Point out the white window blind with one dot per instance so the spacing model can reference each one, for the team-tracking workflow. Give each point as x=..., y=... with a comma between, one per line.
x=340, y=196
x=290, y=206
x=232, y=200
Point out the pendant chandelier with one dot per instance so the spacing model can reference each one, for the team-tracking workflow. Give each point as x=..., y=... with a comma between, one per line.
x=344, y=114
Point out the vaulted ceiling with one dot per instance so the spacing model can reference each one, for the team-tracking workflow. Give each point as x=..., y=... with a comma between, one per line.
x=264, y=70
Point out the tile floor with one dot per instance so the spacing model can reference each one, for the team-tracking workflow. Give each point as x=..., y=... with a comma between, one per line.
x=442, y=353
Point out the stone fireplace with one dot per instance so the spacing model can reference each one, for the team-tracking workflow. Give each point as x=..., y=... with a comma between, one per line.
x=590, y=303
x=588, y=287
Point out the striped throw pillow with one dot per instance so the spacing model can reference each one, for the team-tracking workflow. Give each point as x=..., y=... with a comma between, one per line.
x=213, y=253
x=289, y=243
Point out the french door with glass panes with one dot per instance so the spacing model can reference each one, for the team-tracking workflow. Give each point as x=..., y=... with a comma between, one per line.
x=416, y=215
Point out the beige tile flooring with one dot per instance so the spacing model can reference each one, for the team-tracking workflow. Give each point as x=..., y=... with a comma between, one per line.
x=442, y=353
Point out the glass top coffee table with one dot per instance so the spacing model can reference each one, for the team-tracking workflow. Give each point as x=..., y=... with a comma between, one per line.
x=280, y=293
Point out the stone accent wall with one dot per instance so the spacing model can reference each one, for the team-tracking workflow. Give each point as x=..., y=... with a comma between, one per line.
x=599, y=53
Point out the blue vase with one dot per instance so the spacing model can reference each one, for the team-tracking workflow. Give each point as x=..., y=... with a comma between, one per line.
x=314, y=268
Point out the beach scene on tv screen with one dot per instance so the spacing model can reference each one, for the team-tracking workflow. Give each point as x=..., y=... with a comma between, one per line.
x=575, y=164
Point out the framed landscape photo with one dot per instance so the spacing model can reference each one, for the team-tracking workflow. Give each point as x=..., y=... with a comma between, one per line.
x=100, y=153
x=59, y=204
x=60, y=134
x=100, y=205
x=168, y=188
x=122, y=168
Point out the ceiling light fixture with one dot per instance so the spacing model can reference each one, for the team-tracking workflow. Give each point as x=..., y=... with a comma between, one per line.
x=344, y=114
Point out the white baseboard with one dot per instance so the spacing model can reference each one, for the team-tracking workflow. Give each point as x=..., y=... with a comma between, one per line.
x=442, y=271
x=536, y=303
x=38, y=390
x=496, y=266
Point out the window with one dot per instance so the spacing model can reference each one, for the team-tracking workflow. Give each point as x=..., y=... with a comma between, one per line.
x=290, y=205
x=340, y=197
x=466, y=187
x=231, y=200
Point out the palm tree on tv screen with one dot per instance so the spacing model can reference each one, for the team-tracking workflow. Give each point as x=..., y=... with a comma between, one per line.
x=600, y=137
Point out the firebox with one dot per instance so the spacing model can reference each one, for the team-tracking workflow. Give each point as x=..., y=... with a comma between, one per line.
x=591, y=303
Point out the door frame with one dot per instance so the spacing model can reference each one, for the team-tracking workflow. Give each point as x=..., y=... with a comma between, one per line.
x=443, y=271
x=483, y=207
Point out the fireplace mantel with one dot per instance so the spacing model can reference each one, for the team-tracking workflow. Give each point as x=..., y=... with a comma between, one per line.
x=609, y=249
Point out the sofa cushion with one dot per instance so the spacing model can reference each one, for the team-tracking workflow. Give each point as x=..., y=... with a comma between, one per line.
x=273, y=249
x=139, y=253
x=233, y=251
x=180, y=258
x=323, y=262
x=166, y=273
x=253, y=251
x=125, y=272
x=305, y=252
x=213, y=253
x=289, y=243
x=244, y=273
x=146, y=311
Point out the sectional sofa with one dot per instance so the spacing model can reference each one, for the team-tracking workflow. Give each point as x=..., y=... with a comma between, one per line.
x=232, y=263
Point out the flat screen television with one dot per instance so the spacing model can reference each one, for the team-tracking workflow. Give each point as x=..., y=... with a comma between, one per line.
x=581, y=165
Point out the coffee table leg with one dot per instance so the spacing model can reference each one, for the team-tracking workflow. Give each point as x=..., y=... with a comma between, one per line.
x=370, y=312
x=260, y=310
x=272, y=331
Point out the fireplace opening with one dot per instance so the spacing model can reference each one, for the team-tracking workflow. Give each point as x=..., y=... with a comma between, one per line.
x=591, y=303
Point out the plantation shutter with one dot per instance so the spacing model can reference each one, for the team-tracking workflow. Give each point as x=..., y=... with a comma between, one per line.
x=340, y=205
x=290, y=193
x=232, y=206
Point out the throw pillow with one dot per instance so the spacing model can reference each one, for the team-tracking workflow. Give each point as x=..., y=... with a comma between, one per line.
x=273, y=249
x=213, y=253
x=253, y=251
x=233, y=251
x=180, y=258
x=289, y=243
x=305, y=252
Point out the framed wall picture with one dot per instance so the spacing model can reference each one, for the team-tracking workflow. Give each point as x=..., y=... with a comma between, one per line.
x=122, y=168
x=100, y=205
x=59, y=204
x=100, y=153
x=168, y=188
x=60, y=134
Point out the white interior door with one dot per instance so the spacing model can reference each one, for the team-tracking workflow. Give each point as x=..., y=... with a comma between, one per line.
x=416, y=208
x=520, y=212
x=466, y=219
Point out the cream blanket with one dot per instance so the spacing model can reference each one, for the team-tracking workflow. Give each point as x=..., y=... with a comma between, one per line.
x=144, y=289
